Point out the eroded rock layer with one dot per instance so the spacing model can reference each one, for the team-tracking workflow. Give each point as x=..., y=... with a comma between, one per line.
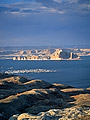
x=24, y=99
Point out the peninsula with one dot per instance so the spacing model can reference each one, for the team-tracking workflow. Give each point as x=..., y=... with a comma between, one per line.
x=47, y=54
x=43, y=53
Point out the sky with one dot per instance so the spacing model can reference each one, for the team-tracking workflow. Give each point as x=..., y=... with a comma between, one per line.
x=44, y=22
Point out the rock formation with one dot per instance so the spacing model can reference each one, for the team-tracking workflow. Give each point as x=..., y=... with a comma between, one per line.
x=24, y=99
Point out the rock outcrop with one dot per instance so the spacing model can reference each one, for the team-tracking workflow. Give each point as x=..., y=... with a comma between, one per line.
x=24, y=99
x=56, y=114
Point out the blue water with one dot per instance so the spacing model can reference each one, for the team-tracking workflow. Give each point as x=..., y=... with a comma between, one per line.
x=75, y=73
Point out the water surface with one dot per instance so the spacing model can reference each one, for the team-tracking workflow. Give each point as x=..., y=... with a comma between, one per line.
x=75, y=72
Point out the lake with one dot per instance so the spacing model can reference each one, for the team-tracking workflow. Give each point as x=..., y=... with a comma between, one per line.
x=71, y=72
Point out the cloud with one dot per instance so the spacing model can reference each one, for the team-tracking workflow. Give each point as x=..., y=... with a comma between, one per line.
x=28, y=8
x=52, y=10
x=4, y=9
x=84, y=8
x=20, y=8
x=46, y=6
x=64, y=1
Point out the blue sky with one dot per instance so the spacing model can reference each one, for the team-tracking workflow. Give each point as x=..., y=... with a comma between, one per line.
x=44, y=22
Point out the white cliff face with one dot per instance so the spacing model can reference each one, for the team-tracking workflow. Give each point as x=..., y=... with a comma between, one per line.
x=45, y=54
x=57, y=54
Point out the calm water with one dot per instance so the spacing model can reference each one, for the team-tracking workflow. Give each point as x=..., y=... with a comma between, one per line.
x=75, y=73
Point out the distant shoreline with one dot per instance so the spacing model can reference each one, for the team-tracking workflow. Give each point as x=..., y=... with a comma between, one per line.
x=38, y=59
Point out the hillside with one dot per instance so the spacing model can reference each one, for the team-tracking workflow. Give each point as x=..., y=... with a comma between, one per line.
x=24, y=99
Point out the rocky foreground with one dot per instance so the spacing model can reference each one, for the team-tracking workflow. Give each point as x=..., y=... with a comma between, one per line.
x=24, y=99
